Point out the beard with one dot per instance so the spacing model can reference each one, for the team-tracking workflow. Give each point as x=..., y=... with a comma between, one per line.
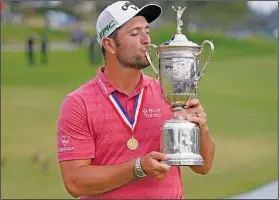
x=137, y=62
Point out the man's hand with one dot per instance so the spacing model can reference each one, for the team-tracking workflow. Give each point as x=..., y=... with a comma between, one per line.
x=193, y=112
x=152, y=166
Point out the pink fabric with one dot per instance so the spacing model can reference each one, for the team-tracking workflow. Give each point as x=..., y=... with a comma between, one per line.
x=89, y=128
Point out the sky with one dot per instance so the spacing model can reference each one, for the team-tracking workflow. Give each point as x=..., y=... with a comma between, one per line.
x=263, y=7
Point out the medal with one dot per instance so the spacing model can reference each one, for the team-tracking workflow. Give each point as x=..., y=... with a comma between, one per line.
x=132, y=143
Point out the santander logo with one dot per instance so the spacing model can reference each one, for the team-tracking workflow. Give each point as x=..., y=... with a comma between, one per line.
x=152, y=113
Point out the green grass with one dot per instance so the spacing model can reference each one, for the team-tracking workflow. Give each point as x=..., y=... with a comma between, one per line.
x=239, y=93
x=18, y=34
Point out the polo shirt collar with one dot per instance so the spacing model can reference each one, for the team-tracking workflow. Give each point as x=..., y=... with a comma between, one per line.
x=107, y=87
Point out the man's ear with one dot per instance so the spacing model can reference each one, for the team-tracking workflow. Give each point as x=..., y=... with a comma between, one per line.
x=109, y=45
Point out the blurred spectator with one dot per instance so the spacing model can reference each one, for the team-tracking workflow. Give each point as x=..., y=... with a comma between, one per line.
x=30, y=49
x=91, y=50
x=43, y=48
x=3, y=4
x=77, y=36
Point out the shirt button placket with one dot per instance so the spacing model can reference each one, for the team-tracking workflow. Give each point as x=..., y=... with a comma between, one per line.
x=130, y=108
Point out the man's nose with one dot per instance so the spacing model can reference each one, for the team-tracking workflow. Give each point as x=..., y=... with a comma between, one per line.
x=145, y=39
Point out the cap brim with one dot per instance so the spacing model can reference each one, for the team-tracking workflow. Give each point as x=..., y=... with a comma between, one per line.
x=150, y=12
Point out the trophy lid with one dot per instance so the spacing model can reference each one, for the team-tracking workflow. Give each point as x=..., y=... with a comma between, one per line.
x=180, y=40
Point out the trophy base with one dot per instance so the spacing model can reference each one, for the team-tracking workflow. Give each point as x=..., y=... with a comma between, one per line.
x=181, y=141
x=184, y=160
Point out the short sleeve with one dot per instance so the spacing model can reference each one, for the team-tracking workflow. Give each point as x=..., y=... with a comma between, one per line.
x=74, y=140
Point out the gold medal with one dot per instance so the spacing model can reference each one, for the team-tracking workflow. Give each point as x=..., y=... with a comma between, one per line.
x=132, y=143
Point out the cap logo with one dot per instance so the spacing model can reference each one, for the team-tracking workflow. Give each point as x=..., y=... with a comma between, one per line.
x=106, y=29
x=127, y=5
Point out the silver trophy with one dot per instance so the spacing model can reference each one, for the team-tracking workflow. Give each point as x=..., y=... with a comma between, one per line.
x=179, y=75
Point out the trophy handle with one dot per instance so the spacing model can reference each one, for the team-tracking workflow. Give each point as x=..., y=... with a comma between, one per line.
x=208, y=59
x=148, y=56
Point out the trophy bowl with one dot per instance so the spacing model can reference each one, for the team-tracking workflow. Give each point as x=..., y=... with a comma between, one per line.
x=179, y=75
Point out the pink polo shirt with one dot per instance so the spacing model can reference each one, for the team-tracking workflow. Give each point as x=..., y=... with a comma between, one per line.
x=90, y=128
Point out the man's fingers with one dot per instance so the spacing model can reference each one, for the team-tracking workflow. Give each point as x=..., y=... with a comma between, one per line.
x=152, y=166
x=159, y=169
x=202, y=122
x=162, y=167
x=159, y=156
x=195, y=110
x=192, y=103
x=184, y=115
x=201, y=115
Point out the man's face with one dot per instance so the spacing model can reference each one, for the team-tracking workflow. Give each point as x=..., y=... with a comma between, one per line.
x=132, y=40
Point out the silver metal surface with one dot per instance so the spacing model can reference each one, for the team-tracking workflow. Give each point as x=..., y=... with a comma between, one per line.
x=181, y=140
x=179, y=75
x=179, y=11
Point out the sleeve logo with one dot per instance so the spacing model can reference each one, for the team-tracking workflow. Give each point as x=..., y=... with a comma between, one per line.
x=65, y=140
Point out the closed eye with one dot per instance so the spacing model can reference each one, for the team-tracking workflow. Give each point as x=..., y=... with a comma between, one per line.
x=134, y=33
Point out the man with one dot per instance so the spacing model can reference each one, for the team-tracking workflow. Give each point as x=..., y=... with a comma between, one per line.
x=30, y=49
x=91, y=51
x=44, y=48
x=107, y=146
x=3, y=5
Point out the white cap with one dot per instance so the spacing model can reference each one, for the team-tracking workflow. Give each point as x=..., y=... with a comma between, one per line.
x=119, y=13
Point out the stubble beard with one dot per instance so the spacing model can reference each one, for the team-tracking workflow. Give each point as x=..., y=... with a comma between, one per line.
x=135, y=62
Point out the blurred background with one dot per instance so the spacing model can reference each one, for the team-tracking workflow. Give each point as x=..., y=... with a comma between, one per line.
x=49, y=48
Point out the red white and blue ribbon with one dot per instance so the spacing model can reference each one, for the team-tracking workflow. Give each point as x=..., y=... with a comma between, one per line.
x=131, y=123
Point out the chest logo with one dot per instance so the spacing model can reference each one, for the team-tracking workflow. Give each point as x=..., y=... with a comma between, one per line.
x=152, y=113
